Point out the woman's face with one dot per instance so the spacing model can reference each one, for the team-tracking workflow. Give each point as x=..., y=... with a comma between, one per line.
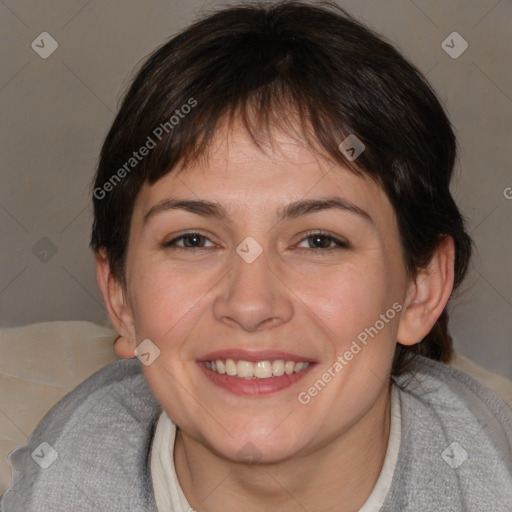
x=260, y=285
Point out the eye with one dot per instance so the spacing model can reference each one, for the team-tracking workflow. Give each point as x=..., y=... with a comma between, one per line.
x=322, y=240
x=316, y=240
x=191, y=240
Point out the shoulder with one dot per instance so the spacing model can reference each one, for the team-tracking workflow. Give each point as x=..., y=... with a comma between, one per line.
x=457, y=398
x=90, y=451
x=456, y=444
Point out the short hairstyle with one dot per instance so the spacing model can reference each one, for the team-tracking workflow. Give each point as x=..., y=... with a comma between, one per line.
x=268, y=64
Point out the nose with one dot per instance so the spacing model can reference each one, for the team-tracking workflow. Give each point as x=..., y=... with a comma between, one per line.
x=253, y=296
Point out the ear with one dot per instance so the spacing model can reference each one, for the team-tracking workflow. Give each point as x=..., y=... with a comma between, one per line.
x=118, y=308
x=428, y=294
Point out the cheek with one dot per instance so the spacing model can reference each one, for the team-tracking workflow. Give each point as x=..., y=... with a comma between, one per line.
x=349, y=299
x=164, y=299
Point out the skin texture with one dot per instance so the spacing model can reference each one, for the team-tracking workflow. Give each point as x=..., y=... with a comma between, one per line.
x=326, y=455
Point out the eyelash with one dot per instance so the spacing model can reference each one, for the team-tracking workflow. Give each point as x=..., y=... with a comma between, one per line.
x=341, y=244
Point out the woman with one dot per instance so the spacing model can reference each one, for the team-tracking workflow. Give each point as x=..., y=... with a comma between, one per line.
x=276, y=244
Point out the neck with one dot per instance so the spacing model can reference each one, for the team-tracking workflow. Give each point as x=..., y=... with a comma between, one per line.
x=339, y=475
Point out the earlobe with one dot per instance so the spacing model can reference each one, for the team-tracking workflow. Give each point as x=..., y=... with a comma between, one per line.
x=428, y=295
x=124, y=347
x=118, y=310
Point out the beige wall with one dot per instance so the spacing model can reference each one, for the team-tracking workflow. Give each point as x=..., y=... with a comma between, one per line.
x=56, y=111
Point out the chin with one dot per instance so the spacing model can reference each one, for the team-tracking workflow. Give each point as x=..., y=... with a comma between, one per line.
x=257, y=449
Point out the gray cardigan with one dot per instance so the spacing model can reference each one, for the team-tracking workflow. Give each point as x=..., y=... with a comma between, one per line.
x=91, y=451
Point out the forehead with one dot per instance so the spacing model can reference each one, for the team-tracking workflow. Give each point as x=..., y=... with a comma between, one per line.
x=251, y=179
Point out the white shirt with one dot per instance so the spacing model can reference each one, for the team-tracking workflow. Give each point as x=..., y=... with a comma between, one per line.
x=169, y=496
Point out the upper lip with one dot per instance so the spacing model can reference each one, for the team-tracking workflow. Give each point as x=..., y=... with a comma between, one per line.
x=254, y=356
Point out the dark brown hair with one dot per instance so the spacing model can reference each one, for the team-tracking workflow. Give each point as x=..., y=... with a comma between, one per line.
x=261, y=62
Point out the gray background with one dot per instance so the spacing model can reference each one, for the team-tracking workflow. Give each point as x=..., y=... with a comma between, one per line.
x=56, y=112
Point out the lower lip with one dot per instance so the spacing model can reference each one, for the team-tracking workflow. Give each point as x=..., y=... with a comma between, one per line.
x=239, y=386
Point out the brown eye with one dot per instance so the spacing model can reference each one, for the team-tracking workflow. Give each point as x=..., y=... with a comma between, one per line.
x=191, y=240
x=320, y=240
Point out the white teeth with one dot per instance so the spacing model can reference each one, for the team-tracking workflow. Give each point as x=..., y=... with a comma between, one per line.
x=230, y=367
x=263, y=369
x=278, y=368
x=221, y=368
x=245, y=369
x=288, y=367
x=260, y=370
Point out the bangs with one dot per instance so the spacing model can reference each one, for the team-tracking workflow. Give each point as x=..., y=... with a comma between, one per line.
x=280, y=101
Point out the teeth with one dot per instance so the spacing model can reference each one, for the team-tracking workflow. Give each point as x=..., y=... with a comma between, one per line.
x=289, y=367
x=278, y=368
x=230, y=367
x=260, y=370
x=263, y=369
x=245, y=369
x=298, y=367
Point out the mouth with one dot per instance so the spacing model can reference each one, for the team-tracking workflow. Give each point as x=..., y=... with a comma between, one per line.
x=258, y=370
x=245, y=373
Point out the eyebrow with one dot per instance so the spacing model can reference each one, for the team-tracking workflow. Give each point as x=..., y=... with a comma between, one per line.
x=290, y=211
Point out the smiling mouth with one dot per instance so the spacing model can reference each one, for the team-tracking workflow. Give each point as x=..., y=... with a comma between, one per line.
x=255, y=370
